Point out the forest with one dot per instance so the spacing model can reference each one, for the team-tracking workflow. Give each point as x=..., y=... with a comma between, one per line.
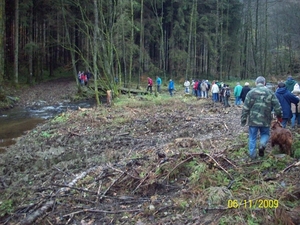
x=143, y=159
x=130, y=39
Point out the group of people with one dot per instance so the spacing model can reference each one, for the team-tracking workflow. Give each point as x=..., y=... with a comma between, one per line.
x=200, y=88
x=259, y=104
x=83, y=77
x=221, y=93
x=171, y=85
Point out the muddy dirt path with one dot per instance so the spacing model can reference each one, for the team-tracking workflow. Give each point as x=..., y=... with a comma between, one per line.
x=141, y=161
x=50, y=92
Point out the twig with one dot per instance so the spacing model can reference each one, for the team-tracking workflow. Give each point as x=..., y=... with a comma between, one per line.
x=229, y=161
x=125, y=172
x=225, y=126
x=112, y=184
x=178, y=165
x=99, y=190
x=142, y=181
x=220, y=166
x=76, y=134
x=123, y=134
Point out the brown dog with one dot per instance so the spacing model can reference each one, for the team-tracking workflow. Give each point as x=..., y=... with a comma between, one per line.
x=282, y=137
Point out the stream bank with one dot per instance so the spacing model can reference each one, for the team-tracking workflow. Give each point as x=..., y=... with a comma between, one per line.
x=37, y=104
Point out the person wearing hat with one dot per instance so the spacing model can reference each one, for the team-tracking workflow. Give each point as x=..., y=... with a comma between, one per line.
x=256, y=112
x=290, y=83
x=285, y=98
x=245, y=91
x=296, y=107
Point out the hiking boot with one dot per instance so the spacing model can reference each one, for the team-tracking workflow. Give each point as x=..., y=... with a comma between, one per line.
x=261, y=151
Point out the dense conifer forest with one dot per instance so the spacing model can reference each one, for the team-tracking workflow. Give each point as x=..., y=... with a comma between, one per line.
x=133, y=39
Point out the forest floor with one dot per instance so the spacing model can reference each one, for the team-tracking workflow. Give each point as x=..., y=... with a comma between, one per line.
x=144, y=160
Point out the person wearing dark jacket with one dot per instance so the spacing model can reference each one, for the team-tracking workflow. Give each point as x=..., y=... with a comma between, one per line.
x=245, y=91
x=285, y=98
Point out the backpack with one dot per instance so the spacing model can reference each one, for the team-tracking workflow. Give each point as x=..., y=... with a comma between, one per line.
x=208, y=86
x=227, y=93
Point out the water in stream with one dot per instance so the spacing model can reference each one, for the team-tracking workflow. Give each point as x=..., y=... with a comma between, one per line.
x=15, y=122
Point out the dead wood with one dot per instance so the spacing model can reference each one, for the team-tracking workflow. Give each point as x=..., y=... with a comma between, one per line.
x=290, y=166
x=108, y=97
x=66, y=187
x=30, y=219
x=101, y=211
x=78, y=177
x=220, y=166
x=112, y=184
x=176, y=166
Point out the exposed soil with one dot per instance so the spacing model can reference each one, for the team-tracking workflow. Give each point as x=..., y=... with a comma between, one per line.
x=51, y=92
x=143, y=160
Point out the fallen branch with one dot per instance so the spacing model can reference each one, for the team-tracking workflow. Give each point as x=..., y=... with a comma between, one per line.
x=125, y=172
x=99, y=190
x=101, y=211
x=78, y=177
x=74, y=188
x=123, y=134
x=186, y=160
x=75, y=134
x=112, y=184
x=290, y=166
x=227, y=160
x=142, y=181
x=220, y=166
x=34, y=216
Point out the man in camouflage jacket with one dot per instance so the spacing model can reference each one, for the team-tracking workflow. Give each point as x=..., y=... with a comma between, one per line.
x=258, y=105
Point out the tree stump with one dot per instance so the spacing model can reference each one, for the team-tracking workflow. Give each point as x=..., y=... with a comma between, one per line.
x=108, y=97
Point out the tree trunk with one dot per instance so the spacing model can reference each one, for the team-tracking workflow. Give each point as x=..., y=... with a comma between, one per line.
x=95, y=50
x=2, y=44
x=132, y=43
x=141, y=44
x=30, y=53
x=16, y=43
x=70, y=44
x=188, y=63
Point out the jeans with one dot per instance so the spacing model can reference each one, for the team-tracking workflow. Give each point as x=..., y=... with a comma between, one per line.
x=203, y=94
x=215, y=97
x=237, y=101
x=226, y=102
x=158, y=88
x=284, y=122
x=293, y=120
x=264, y=138
x=194, y=92
x=198, y=93
x=187, y=90
x=171, y=92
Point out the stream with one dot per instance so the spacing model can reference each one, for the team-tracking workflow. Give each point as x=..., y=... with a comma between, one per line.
x=17, y=121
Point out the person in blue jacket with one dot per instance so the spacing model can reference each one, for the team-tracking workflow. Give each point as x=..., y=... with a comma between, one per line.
x=171, y=87
x=158, y=83
x=285, y=98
